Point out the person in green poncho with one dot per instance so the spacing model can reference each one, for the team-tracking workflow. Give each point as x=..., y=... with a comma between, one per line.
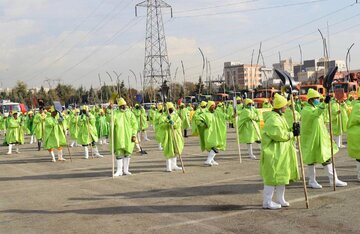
x=151, y=114
x=230, y=112
x=140, y=115
x=13, y=126
x=87, y=132
x=125, y=130
x=184, y=115
x=102, y=127
x=195, y=119
x=326, y=112
x=315, y=139
x=353, y=135
x=278, y=163
x=30, y=126
x=39, y=125
x=214, y=132
x=74, y=127
x=158, y=131
x=172, y=139
x=339, y=114
x=267, y=104
x=54, y=137
x=249, y=131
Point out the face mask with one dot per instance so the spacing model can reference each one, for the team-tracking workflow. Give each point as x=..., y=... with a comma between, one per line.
x=316, y=102
x=171, y=111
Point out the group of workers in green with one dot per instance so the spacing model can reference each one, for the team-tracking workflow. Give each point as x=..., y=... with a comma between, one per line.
x=274, y=128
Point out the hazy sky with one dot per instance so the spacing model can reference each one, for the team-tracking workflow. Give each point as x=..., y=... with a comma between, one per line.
x=75, y=40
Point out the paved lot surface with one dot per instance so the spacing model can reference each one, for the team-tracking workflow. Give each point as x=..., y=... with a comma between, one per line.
x=38, y=196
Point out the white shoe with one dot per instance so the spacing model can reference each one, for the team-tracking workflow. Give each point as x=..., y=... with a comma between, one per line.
x=174, y=165
x=86, y=152
x=100, y=142
x=329, y=172
x=168, y=165
x=119, y=167
x=314, y=185
x=312, y=178
x=126, y=165
x=17, y=151
x=10, y=149
x=267, y=198
x=52, y=156
x=210, y=158
x=280, y=196
x=160, y=147
x=214, y=163
x=250, y=151
x=253, y=157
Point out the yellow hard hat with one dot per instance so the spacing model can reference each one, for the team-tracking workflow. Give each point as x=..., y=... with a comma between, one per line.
x=203, y=104
x=248, y=101
x=238, y=99
x=312, y=93
x=52, y=109
x=86, y=108
x=160, y=107
x=266, y=100
x=322, y=97
x=169, y=105
x=30, y=112
x=210, y=103
x=121, y=102
x=14, y=112
x=220, y=104
x=182, y=104
x=279, y=101
x=77, y=110
x=101, y=111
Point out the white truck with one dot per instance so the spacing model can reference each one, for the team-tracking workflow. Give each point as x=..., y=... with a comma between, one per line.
x=6, y=106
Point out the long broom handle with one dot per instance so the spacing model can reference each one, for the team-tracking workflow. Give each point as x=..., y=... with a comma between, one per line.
x=331, y=145
x=300, y=155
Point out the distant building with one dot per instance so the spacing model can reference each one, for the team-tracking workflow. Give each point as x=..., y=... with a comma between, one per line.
x=285, y=65
x=313, y=69
x=245, y=76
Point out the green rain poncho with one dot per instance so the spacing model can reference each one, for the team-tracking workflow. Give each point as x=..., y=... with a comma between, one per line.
x=298, y=105
x=23, y=128
x=39, y=124
x=278, y=163
x=353, y=132
x=151, y=115
x=289, y=117
x=197, y=127
x=125, y=127
x=184, y=115
x=195, y=131
x=315, y=138
x=54, y=134
x=267, y=105
x=102, y=126
x=230, y=112
x=30, y=124
x=74, y=126
x=157, y=128
x=212, y=124
x=339, y=120
x=170, y=137
x=87, y=130
x=140, y=115
x=2, y=122
x=248, y=126
x=13, y=130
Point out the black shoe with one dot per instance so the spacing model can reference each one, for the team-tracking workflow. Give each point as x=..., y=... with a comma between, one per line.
x=39, y=145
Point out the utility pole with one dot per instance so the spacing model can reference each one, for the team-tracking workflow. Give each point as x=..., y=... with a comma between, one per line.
x=156, y=63
x=101, y=97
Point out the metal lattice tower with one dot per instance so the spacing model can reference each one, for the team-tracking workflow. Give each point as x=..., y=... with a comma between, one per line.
x=156, y=64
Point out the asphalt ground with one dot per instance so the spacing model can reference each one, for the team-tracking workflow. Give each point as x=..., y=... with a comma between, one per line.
x=38, y=196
